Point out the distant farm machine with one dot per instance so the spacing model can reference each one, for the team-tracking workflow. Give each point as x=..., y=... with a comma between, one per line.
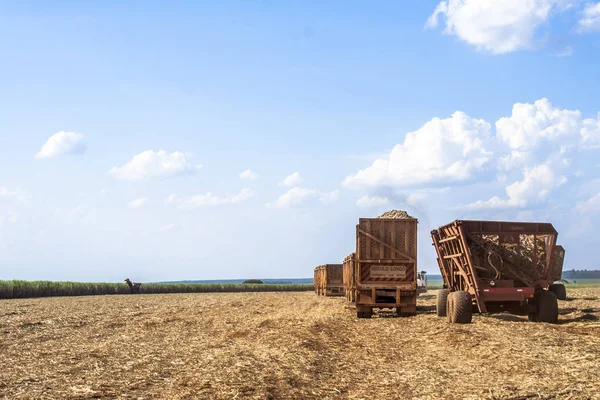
x=328, y=280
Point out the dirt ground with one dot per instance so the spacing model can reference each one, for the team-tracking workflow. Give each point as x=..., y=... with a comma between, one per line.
x=288, y=346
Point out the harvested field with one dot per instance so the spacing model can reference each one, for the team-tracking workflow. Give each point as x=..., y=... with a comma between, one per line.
x=288, y=345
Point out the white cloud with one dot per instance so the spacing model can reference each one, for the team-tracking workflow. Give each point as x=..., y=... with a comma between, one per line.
x=330, y=197
x=292, y=180
x=590, y=21
x=154, y=164
x=62, y=143
x=374, y=201
x=536, y=185
x=294, y=197
x=450, y=149
x=209, y=199
x=590, y=131
x=243, y=195
x=249, y=175
x=498, y=26
x=530, y=124
x=137, y=203
x=590, y=206
x=533, y=125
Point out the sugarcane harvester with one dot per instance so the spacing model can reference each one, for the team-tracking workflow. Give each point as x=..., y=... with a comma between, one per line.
x=490, y=266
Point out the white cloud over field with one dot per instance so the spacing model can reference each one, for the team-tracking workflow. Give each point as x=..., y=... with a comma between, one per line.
x=590, y=19
x=531, y=153
x=154, y=164
x=500, y=26
x=62, y=143
x=248, y=175
x=209, y=199
x=451, y=149
x=292, y=180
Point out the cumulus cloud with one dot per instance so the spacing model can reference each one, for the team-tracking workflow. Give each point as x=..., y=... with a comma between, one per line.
x=536, y=185
x=590, y=131
x=541, y=142
x=531, y=124
x=137, y=203
x=209, y=199
x=450, y=149
x=499, y=26
x=374, y=201
x=292, y=180
x=62, y=143
x=590, y=19
x=535, y=130
x=294, y=197
x=154, y=164
x=248, y=175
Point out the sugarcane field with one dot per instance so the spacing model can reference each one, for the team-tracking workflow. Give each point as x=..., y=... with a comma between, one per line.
x=300, y=200
x=370, y=329
x=289, y=346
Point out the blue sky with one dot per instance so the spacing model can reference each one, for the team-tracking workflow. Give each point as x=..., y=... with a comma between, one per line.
x=125, y=129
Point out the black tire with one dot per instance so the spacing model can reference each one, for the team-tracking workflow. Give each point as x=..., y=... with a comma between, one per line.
x=363, y=314
x=547, y=307
x=532, y=310
x=559, y=290
x=442, y=297
x=462, y=308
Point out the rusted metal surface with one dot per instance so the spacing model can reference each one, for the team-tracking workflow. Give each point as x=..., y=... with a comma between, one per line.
x=383, y=271
x=328, y=280
x=498, y=261
x=348, y=277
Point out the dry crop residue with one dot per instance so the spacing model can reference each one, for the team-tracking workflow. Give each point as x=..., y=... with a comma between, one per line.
x=288, y=345
x=397, y=214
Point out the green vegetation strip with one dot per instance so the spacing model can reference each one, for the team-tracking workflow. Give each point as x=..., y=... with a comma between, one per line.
x=22, y=289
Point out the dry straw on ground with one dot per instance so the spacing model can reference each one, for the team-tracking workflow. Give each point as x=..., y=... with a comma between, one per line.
x=288, y=346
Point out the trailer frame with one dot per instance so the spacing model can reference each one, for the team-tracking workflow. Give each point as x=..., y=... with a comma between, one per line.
x=498, y=245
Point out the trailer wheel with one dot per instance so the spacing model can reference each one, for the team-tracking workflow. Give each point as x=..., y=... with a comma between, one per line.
x=462, y=307
x=363, y=314
x=559, y=290
x=547, y=307
x=442, y=297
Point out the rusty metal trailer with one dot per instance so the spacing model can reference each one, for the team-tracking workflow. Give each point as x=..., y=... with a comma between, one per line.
x=382, y=273
x=328, y=280
x=348, y=275
x=492, y=265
